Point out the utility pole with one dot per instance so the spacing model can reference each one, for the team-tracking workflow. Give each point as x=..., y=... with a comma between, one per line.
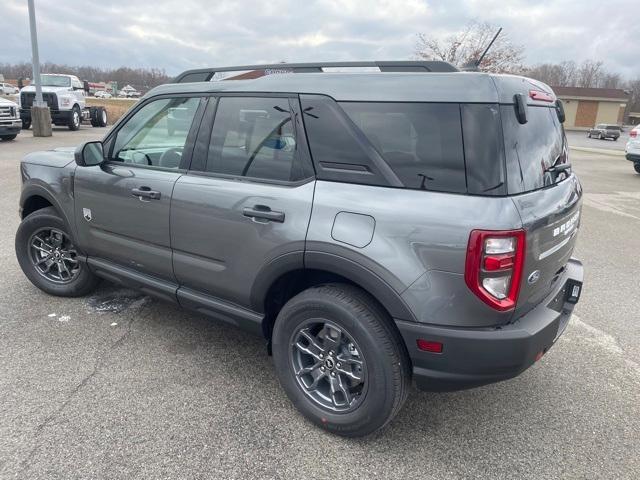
x=40, y=114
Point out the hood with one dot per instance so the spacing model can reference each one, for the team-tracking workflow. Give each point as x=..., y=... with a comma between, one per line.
x=5, y=102
x=57, y=158
x=32, y=88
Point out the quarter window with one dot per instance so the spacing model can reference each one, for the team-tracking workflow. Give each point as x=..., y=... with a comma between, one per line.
x=421, y=142
x=254, y=137
x=157, y=133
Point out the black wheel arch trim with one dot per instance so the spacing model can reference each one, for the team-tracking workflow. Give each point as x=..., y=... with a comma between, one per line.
x=35, y=190
x=335, y=263
x=381, y=288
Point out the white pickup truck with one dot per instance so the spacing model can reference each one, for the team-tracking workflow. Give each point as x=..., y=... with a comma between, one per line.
x=10, y=123
x=66, y=99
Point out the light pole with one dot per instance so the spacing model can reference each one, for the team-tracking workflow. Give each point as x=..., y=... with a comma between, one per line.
x=40, y=114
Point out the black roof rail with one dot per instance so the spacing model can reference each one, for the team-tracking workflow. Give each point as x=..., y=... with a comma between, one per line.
x=206, y=74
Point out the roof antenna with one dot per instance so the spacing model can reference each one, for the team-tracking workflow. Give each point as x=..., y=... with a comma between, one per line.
x=472, y=66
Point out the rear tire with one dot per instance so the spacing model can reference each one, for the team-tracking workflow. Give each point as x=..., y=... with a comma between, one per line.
x=48, y=257
x=636, y=167
x=368, y=377
x=102, y=117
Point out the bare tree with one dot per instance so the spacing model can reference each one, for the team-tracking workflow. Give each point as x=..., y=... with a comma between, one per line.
x=467, y=46
x=590, y=74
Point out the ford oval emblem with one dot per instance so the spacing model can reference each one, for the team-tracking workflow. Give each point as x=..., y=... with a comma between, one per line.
x=534, y=277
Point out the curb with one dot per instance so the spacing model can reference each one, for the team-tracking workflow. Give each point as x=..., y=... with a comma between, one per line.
x=601, y=151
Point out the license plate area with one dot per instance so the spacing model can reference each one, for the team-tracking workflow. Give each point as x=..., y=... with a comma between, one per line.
x=573, y=291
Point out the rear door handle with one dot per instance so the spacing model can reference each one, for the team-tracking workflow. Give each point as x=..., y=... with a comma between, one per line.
x=264, y=212
x=145, y=192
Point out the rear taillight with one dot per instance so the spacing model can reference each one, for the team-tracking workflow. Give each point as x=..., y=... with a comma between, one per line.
x=493, y=270
x=633, y=133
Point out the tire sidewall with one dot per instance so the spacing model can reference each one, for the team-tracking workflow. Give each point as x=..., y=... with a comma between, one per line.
x=378, y=402
x=84, y=282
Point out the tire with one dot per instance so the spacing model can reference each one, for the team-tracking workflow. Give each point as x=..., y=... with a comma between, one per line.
x=76, y=118
x=589, y=135
x=9, y=137
x=101, y=117
x=26, y=124
x=636, y=167
x=93, y=115
x=40, y=223
x=600, y=137
x=367, y=336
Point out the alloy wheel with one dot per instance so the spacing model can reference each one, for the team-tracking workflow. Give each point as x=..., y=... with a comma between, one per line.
x=328, y=365
x=53, y=255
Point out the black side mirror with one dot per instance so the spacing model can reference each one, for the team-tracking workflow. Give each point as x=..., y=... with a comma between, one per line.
x=520, y=104
x=560, y=109
x=89, y=154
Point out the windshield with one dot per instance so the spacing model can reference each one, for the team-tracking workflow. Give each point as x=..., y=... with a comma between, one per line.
x=55, y=81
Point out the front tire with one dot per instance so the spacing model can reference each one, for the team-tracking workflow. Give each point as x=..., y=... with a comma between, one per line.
x=636, y=167
x=8, y=137
x=48, y=257
x=74, y=121
x=340, y=360
x=26, y=124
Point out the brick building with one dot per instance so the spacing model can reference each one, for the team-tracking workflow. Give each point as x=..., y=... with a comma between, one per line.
x=586, y=107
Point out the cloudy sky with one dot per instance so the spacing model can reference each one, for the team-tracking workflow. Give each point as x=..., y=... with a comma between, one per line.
x=180, y=34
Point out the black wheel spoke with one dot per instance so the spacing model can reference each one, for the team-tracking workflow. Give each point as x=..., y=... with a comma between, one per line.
x=339, y=393
x=317, y=375
x=43, y=259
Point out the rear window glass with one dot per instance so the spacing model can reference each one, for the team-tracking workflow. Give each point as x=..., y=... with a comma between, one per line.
x=422, y=143
x=532, y=148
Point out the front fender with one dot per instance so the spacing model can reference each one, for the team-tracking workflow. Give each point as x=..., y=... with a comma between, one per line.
x=58, y=194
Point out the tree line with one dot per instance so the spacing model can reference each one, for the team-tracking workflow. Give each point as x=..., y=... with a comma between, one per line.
x=141, y=79
x=466, y=46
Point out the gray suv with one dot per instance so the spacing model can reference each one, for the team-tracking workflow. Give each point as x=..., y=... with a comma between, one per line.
x=414, y=223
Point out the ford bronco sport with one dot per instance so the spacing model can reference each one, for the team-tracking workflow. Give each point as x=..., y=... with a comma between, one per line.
x=415, y=223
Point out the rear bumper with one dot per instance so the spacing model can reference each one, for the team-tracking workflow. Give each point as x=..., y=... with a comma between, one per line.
x=472, y=357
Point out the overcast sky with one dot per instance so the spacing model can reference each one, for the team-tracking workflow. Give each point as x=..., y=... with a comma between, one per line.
x=180, y=34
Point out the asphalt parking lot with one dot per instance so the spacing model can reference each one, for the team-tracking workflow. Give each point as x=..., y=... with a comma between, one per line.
x=580, y=139
x=118, y=385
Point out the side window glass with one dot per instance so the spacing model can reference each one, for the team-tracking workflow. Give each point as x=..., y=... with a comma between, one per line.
x=254, y=137
x=157, y=133
x=421, y=142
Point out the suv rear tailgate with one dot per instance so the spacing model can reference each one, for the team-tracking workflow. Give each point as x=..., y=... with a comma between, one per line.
x=551, y=218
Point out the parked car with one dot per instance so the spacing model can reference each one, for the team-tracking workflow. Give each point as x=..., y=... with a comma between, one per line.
x=10, y=123
x=65, y=96
x=102, y=94
x=603, y=131
x=375, y=228
x=7, y=89
x=632, y=149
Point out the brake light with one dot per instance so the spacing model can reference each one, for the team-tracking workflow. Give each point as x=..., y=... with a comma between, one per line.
x=542, y=96
x=494, y=266
x=633, y=133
